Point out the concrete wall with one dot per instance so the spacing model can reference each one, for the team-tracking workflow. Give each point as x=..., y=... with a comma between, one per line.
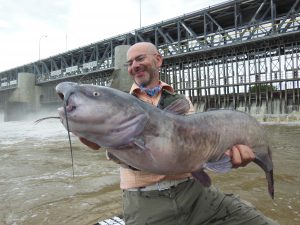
x=24, y=100
x=121, y=78
x=265, y=112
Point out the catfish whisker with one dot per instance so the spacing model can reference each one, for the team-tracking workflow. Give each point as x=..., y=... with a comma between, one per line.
x=67, y=123
x=46, y=118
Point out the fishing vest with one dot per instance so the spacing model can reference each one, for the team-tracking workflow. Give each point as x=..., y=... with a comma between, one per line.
x=167, y=98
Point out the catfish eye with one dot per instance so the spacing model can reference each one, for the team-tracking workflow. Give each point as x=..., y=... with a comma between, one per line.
x=95, y=93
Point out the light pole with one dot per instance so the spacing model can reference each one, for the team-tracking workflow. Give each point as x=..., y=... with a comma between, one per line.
x=66, y=42
x=140, y=13
x=40, y=45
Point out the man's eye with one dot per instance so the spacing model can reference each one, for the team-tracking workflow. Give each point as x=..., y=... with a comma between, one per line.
x=140, y=59
x=127, y=64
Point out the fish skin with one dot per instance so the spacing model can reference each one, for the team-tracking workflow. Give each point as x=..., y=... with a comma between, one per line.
x=157, y=141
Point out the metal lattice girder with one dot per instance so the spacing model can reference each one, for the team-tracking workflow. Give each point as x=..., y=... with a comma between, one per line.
x=8, y=80
x=49, y=95
x=219, y=30
x=227, y=75
x=292, y=14
x=75, y=62
x=254, y=25
x=167, y=38
x=138, y=37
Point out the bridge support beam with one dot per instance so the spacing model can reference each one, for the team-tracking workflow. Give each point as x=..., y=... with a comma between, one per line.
x=24, y=100
x=121, y=79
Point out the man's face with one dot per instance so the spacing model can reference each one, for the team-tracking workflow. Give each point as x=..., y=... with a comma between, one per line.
x=143, y=66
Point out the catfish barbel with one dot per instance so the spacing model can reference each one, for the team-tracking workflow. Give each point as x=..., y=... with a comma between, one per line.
x=159, y=141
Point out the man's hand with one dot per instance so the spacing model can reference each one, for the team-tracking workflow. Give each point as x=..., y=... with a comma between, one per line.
x=240, y=155
x=90, y=144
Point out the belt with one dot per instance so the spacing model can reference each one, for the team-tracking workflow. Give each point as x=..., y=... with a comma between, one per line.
x=161, y=185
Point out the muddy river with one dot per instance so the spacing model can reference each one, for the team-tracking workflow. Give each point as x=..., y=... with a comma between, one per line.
x=37, y=186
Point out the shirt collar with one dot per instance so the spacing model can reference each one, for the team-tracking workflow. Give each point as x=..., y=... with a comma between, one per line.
x=136, y=89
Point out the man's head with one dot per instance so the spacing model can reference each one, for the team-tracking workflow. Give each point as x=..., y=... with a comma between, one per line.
x=143, y=63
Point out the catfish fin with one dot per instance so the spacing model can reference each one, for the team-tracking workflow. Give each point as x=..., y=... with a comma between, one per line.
x=179, y=106
x=126, y=132
x=223, y=165
x=112, y=157
x=140, y=144
x=202, y=177
x=265, y=162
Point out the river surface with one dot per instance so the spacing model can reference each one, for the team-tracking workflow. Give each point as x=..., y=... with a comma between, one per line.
x=37, y=186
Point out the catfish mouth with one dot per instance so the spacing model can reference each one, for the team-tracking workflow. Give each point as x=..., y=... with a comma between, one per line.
x=69, y=104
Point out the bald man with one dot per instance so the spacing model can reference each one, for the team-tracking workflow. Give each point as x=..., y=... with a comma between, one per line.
x=160, y=199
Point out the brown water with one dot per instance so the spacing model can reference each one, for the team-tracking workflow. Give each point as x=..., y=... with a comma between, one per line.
x=37, y=187
x=251, y=185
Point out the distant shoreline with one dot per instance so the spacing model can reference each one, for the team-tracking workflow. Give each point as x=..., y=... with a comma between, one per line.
x=284, y=123
x=292, y=119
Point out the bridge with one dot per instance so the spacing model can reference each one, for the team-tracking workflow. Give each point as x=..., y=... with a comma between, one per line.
x=243, y=54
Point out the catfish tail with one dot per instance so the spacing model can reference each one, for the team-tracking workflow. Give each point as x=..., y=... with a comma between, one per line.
x=265, y=162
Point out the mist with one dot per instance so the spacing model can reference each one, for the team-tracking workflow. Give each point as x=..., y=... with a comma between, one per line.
x=25, y=114
x=1, y=116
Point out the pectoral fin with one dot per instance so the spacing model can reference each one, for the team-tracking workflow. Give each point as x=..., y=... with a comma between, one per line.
x=126, y=132
x=202, y=177
x=140, y=144
x=223, y=165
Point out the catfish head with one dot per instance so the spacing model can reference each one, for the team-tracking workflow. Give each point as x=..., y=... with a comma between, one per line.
x=103, y=115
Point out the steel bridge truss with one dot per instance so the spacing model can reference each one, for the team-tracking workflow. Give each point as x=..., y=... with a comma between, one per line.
x=49, y=95
x=201, y=41
x=244, y=75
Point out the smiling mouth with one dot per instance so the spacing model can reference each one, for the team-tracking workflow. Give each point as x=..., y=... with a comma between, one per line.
x=139, y=72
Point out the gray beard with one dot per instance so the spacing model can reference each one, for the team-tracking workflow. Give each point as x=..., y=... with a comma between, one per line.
x=146, y=83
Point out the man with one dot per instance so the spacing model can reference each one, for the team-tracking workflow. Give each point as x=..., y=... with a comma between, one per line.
x=178, y=199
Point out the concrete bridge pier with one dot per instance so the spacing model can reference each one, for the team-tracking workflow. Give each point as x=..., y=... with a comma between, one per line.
x=121, y=79
x=24, y=100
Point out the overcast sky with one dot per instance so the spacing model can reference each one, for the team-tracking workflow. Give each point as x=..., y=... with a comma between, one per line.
x=70, y=24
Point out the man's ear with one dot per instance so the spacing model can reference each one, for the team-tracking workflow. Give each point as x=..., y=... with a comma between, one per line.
x=159, y=60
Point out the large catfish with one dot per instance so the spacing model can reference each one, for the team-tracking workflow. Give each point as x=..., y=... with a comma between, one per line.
x=159, y=141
